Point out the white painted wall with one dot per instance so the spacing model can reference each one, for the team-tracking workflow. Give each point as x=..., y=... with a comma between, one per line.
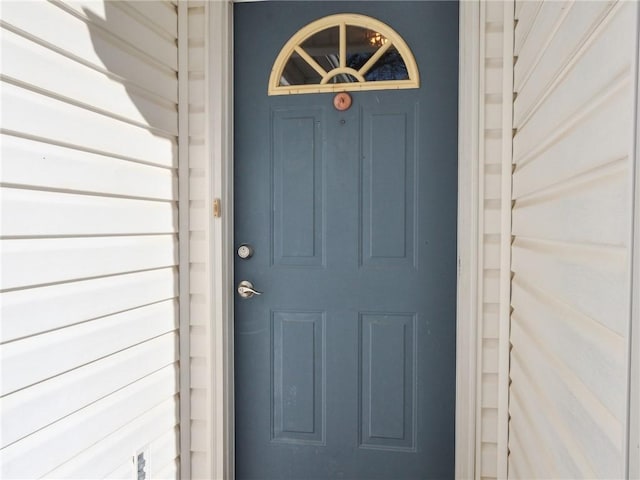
x=576, y=83
x=89, y=245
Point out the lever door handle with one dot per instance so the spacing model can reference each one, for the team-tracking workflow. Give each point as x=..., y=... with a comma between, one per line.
x=246, y=290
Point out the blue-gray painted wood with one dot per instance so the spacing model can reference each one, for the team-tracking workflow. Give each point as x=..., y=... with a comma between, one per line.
x=345, y=366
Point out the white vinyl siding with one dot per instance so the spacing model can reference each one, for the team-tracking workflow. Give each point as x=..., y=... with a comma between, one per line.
x=211, y=248
x=491, y=408
x=571, y=225
x=199, y=242
x=89, y=239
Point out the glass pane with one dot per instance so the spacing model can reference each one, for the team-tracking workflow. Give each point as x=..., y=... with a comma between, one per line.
x=343, y=78
x=324, y=50
x=362, y=45
x=390, y=66
x=363, y=40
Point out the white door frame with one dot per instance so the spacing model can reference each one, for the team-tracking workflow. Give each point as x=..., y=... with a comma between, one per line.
x=219, y=74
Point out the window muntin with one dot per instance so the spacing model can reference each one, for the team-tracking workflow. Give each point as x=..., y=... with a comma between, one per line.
x=343, y=52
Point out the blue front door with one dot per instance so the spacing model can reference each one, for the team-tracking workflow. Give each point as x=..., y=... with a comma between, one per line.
x=345, y=365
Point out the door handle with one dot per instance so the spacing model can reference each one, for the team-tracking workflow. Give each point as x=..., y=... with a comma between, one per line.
x=246, y=290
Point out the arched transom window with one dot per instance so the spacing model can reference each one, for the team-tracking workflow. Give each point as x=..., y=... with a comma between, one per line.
x=343, y=52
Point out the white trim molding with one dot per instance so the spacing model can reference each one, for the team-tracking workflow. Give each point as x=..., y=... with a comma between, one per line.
x=468, y=231
x=633, y=422
x=219, y=76
x=505, y=240
x=183, y=233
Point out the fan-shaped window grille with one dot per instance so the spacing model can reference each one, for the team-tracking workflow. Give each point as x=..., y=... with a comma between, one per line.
x=343, y=52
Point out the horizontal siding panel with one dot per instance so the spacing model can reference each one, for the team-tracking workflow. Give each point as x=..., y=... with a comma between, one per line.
x=492, y=185
x=24, y=60
x=493, y=116
x=28, y=163
x=545, y=24
x=165, y=447
x=198, y=277
x=46, y=214
x=600, y=140
x=199, y=463
x=532, y=143
x=490, y=356
x=199, y=309
x=202, y=419
x=549, y=454
x=159, y=12
x=488, y=454
x=582, y=85
x=155, y=429
x=198, y=250
x=198, y=218
x=490, y=323
x=491, y=285
x=170, y=471
x=493, y=78
x=594, y=355
x=89, y=342
x=197, y=156
x=532, y=450
x=557, y=69
x=489, y=425
x=197, y=185
x=199, y=405
x=492, y=73
x=571, y=226
x=41, y=261
x=590, y=210
x=37, y=358
x=196, y=124
x=587, y=279
x=581, y=442
x=136, y=32
x=492, y=218
x=123, y=472
x=489, y=391
x=69, y=437
x=196, y=91
x=35, y=115
x=493, y=42
x=36, y=310
x=200, y=342
x=518, y=461
x=196, y=58
x=199, y=373
x=196, y=23
x=30, y=410
x=199, y=440
x=94, y=48
x=494, y=11
x=491, y=257
x=493, y=151
x=526, y=13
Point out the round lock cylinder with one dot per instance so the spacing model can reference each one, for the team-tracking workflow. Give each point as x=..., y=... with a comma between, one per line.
x=245, y=251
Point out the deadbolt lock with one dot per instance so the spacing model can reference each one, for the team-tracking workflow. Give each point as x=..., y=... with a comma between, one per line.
x=245, y=251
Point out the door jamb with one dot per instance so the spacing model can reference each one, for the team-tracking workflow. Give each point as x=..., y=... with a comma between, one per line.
x=219, y=74
x=468, y=231
x=219, y=441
